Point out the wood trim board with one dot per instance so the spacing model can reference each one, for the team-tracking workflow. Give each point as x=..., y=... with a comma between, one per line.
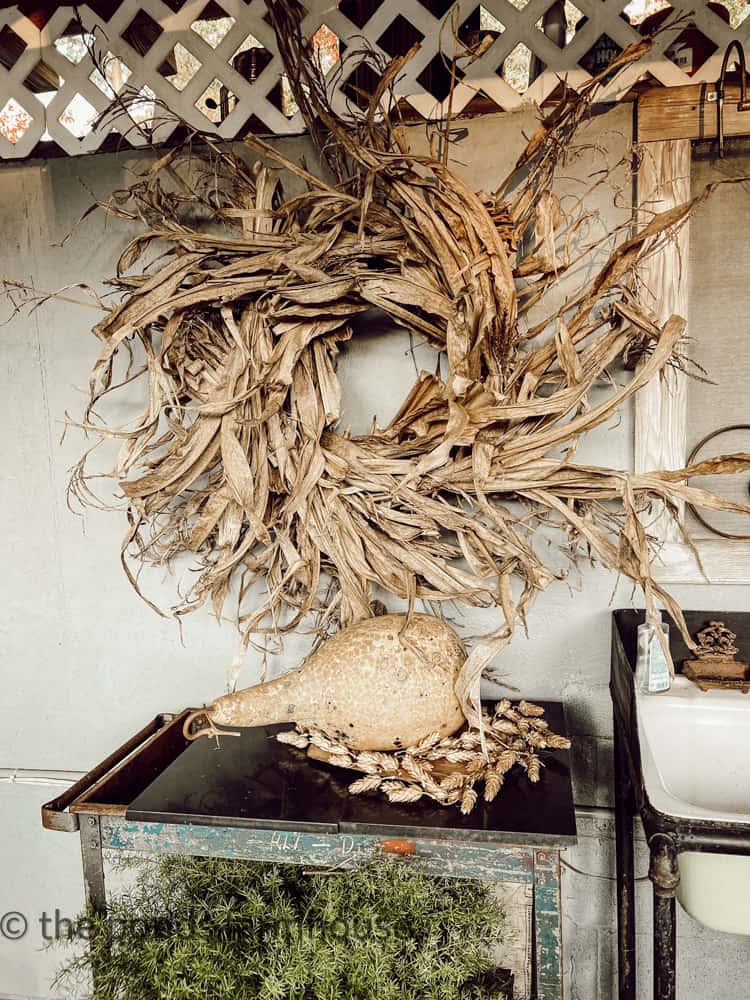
x=688, y=113
x=661, y=406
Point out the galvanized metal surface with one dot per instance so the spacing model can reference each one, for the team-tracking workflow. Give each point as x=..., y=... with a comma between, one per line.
x=93, y=864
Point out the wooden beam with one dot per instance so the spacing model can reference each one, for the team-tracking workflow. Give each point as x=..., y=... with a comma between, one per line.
x=661, y=405
x=688, y=113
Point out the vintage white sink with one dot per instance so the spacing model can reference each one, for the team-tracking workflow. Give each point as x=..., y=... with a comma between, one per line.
x=695, y=747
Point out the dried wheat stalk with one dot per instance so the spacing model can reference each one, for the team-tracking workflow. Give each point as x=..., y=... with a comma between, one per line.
x=234, y=328
x=445, y=770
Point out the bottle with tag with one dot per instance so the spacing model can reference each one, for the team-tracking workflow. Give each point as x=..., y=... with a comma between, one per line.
x=652, y=672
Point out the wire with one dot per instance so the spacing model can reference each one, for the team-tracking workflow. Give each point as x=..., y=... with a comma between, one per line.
x=604, y=878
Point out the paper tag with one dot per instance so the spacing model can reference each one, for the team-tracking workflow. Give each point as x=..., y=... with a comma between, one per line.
x=658, y=674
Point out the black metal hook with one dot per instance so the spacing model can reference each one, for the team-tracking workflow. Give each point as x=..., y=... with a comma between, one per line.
x=691, y=458
x=743, y=105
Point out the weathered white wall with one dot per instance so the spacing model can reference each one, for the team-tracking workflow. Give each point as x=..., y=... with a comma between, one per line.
x=720, y=317
x=85, y=663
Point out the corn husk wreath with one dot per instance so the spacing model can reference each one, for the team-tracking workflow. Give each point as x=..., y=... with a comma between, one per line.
x=237, y=459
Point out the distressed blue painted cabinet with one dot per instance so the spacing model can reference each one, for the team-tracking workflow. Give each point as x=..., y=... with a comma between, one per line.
x=258, y=800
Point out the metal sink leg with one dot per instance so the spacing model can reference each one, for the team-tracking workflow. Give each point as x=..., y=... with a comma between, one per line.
x=665, y=878
x=624, y=813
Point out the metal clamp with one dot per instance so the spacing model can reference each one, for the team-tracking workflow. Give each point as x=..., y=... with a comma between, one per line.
x=663, y=869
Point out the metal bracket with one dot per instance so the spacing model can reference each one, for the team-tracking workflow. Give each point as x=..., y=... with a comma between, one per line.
x=663, y=869
x=93, y=863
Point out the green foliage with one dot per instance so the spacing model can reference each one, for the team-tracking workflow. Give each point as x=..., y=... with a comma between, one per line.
x=208, y=929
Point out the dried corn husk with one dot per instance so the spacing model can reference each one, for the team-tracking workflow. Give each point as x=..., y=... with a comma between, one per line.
x=237, y=460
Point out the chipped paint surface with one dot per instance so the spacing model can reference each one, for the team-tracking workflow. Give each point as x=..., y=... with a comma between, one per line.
x=448, y=858
x=519, y=866
x=538, y=869
x=548, y=925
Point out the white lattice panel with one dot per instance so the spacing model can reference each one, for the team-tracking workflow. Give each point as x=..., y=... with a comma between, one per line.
x=186, y=59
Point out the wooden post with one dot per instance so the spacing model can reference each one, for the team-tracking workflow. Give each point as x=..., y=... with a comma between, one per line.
x=661, y=406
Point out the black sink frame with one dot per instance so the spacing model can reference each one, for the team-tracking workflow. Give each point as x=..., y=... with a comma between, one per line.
x=666, y=835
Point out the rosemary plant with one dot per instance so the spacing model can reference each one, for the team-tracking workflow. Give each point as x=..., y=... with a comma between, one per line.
x=196, y=928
